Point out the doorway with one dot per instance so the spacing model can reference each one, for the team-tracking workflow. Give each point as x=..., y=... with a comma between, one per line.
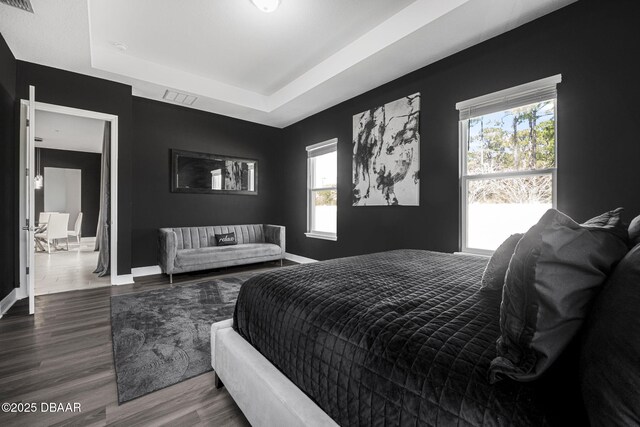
x=75, y=262
x=68, y=161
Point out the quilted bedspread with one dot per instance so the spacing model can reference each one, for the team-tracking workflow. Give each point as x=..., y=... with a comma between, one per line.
x=395, y=338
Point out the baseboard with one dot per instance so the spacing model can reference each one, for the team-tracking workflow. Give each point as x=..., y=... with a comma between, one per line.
x=21, y=293
x=8, y=301
x=123, y=279
x=299, y=259
x=146, y=271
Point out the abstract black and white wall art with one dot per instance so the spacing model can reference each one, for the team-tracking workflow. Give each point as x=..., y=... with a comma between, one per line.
x=386, y=154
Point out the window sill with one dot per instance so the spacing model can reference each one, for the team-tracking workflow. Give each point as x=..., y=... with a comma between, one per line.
x=323, y=236
x=481, y=252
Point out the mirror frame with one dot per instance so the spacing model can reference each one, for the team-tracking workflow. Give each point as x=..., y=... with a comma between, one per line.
x=193, y=154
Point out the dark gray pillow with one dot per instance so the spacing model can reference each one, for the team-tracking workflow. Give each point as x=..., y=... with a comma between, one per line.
x=610, y=354
x=555, y=272
x=493, y=276
x=634, y=231
x=226, y=239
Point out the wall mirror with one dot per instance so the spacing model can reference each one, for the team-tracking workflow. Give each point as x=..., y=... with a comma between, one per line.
x=211, y=173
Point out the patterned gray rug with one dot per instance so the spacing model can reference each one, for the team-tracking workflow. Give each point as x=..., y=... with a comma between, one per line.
x=162, y=337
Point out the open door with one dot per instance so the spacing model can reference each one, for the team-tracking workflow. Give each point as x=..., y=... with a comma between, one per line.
x=29, y=224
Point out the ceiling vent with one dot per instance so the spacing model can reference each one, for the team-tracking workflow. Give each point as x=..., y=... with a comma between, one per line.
x=20, y=4
x=177, y=97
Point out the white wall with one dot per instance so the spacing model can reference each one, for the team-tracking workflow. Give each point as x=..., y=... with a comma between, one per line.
x=62, y=192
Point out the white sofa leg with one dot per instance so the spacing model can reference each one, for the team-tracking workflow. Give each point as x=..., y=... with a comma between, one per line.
x=171, y=278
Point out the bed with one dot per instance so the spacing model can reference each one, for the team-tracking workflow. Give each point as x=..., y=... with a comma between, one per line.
x=402, y=337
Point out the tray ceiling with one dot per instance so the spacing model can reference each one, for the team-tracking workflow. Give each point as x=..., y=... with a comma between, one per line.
x=274, y=68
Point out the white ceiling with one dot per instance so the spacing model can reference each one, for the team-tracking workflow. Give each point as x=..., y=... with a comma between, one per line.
x=65, y=132
x=232, y=41
x=274, y=68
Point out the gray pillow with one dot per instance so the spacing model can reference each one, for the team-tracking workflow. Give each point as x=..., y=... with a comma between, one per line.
x=610, y=354
x=634, y=231
x=555, y=272
x=493, y=276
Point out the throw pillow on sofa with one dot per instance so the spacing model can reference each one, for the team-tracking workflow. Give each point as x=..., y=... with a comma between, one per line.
x=555, y=272
x=226, y=239
x=494, y=273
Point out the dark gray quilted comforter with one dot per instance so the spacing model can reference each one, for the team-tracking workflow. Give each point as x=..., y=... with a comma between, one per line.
x=396, y=338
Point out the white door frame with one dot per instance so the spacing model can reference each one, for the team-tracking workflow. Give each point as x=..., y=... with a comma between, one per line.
x=113, y=119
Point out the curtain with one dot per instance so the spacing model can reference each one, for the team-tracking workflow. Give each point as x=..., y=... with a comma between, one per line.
x=104, y=217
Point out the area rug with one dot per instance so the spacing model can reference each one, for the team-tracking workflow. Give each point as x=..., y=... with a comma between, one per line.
x=162, y=337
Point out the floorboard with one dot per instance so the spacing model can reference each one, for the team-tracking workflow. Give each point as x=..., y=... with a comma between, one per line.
x=63, y=354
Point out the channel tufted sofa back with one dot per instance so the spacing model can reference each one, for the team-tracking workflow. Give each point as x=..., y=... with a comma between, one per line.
x=202, y=237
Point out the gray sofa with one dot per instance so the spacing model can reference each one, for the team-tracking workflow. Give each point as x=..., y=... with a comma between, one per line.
x=185, y=249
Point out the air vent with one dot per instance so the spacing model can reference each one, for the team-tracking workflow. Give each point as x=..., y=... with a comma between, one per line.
x=179, y=98
x=20, y=4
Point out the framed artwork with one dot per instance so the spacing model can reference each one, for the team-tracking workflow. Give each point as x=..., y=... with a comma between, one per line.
x=386, y=154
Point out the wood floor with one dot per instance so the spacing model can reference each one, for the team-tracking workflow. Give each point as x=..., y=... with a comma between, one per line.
x=63, y=354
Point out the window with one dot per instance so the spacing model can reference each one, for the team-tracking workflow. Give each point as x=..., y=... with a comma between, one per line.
x=216, y=179
x=508, y=162
x=322, y=194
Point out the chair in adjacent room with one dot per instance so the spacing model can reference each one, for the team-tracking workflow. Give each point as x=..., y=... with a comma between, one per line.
x=56, y=230
x=77, y=230
x=43, y=218
x=41, y=226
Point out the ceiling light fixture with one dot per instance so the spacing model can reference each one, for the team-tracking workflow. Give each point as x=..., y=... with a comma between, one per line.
x=267, y=6
x=38, y=180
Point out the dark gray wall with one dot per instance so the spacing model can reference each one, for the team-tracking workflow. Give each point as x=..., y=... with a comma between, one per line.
x=592, y=44
x=60, y=87
x=90, y=166
x=8, y=164
x=158, y=127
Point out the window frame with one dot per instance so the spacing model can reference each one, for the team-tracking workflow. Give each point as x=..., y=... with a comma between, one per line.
x=500, y=101
x=313, y=151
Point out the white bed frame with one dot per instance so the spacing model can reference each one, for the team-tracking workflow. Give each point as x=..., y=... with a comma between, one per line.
x=263, y=393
